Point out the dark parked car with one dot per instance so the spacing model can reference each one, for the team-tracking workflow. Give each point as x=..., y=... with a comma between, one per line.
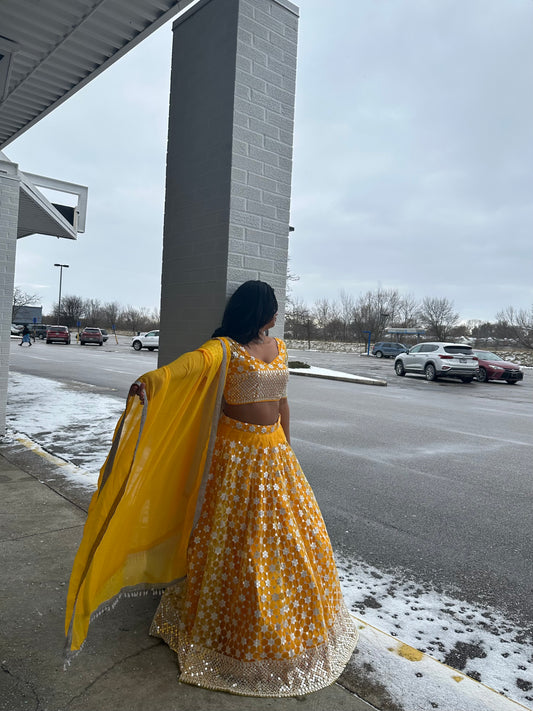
x=388, y=349
x=58, y=333
x=91, y=335
x=492, y=367
x=40, y=329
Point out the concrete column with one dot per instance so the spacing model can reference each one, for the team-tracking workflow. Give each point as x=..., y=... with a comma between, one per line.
x=9, y=213
x=229, y=162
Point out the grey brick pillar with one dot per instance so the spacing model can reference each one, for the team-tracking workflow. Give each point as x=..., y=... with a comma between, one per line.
x=229, y=162
x=9, y=212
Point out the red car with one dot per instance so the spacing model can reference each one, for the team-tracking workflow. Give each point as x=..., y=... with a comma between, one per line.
x=492, y=367
x=91, y=335
x=58, y=333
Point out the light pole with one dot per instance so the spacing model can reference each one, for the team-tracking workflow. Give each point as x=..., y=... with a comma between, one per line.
x=61, y=266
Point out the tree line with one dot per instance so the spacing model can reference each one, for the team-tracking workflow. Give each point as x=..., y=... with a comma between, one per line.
x=348, y=319
x=91, y=312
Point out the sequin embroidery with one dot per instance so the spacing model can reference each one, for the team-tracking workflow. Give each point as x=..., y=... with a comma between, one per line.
x=261, y=612
x=252, y=380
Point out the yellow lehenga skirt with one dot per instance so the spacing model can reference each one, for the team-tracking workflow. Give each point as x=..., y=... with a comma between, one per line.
x=260, y=612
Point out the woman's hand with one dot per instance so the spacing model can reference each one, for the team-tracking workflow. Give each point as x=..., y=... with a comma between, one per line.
x=138, y=389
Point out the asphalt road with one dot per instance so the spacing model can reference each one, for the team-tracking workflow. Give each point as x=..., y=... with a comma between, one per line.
x=434, y=479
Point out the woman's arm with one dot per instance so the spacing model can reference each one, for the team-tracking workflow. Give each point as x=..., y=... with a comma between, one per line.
x=285, y=417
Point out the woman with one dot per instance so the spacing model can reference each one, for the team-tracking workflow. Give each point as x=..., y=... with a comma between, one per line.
x=257, y=609
x=26, y=335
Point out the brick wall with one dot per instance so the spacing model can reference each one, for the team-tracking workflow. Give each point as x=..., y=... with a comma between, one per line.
x=265, y=80
x=229, y=162
x=9, y=208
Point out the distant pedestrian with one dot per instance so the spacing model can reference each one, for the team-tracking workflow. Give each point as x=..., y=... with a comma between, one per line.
x=26, y=335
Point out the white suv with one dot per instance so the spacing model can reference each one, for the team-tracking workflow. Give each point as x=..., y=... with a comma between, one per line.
x=436, y=360
x=148, y=340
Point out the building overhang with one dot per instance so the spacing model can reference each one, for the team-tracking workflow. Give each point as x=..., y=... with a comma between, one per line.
x=49, y=50
x=36, y=213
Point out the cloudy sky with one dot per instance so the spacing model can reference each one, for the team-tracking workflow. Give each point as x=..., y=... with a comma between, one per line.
x=413, y=155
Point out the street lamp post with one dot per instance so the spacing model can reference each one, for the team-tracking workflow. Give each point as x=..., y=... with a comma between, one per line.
x=61, y=267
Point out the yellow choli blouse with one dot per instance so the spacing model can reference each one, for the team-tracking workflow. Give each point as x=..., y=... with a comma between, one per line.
x=252, y=380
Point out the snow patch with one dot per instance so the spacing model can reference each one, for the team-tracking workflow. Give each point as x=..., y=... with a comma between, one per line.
x=73, y=423
x=478, y=641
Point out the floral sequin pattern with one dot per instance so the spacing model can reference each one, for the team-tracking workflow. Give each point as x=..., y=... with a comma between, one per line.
x=262, y=598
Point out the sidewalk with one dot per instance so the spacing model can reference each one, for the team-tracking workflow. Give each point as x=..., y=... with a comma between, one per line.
x=122, y=668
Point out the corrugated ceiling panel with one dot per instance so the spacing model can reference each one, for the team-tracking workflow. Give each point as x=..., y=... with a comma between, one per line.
x=63, y=45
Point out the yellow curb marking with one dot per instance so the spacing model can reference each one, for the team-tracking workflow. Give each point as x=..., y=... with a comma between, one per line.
x=38, y=450
x=57, y=461
x=410, y=653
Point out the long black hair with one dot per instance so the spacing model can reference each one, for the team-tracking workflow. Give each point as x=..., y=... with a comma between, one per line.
x=250, y=307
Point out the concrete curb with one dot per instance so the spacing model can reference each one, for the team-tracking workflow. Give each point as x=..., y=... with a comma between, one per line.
x=343, y=377
x=394, y=676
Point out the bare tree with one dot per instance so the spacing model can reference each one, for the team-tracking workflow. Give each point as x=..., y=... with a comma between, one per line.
x=438, y=316
x=322, y=313
x=298, y=320
x=519, y=323
x=93, y=312
x=22, y=298
x=408, y=309
x=291, y=277
x=374, y=310
x=111, y=311
x=72, y=310
x=134, y=319
x=346, y=312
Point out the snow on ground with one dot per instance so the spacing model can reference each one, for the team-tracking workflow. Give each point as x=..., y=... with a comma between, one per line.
x=71, y=421
x=479, y=641
x=76, y=423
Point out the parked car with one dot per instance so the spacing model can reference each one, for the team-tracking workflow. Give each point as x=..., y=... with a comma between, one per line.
x=492, y=367
x=40, y=329
x=91, y=335
x=104, y=334
x=16, y=329
x=148, y=340
x=438, y=360
x=58, y=333
x=388, y=349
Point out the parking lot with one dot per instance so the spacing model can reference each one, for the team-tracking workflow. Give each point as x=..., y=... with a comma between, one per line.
x=425, y=484
x=383, y=368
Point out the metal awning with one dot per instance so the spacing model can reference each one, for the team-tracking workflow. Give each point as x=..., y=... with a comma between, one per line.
x=36, y=214
x=51, y=48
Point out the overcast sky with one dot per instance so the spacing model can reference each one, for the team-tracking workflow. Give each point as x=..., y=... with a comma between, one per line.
x=413, y=155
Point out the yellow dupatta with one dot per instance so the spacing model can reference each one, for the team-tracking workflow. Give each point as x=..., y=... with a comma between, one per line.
x=141, y=516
